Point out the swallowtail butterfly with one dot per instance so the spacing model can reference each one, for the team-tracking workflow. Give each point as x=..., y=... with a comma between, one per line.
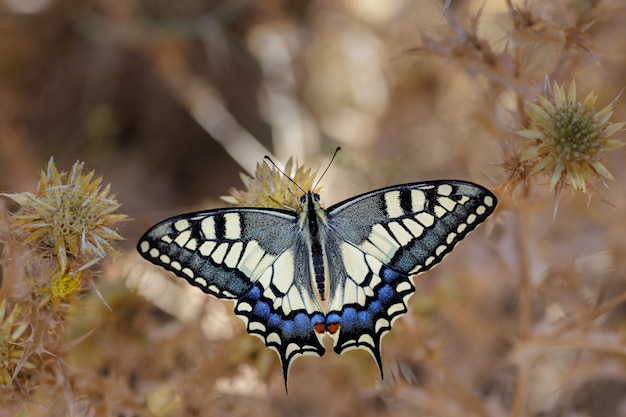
x=344, y=271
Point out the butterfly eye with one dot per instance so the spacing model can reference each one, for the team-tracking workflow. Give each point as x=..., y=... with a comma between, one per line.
x=303, y=198
x=316, y=197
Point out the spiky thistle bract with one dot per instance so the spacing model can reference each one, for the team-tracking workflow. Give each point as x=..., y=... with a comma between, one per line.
x=569, y=137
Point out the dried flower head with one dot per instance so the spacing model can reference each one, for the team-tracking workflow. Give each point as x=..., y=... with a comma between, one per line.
x=271, y=188
x=517, y=171
x=62, y=288
x=11, y=350
x=569, y=136
x=70, y=214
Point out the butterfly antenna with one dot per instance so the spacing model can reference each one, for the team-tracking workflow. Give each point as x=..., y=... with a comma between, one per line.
x=283, y=172
x=328, y=166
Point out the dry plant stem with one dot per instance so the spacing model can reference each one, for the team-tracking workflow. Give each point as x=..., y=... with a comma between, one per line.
x=593, y=314
x=523, y=217
x=520, y=393
x=521, y=387
x=450, y=381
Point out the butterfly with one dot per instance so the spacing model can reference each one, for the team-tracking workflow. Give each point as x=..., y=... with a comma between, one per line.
x=345, y=271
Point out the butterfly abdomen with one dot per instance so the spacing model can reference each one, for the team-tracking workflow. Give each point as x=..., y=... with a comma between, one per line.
x=312, y=212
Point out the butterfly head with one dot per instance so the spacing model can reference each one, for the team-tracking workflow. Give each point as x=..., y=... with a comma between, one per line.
x=309, y=196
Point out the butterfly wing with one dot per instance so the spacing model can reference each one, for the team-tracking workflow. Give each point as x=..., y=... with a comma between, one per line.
x=379, y=239
x=254, y=256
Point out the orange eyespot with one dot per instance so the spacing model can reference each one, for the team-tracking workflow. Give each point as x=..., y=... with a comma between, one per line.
x=332, y=328
x=320, y=328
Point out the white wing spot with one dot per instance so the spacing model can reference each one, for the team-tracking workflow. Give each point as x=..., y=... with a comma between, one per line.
x=233, y=254
x=444, y=189
x=429, y=260
x=489, y=201
x=181, y=225
x=440, y=249
x=366, y=339
x=274, y=338
x=471, y=218
x=285, y=264
x=380, y=238
x=255, y=325
x=350, y=293
x=295, y=299
x=464, y=199
x=192, y=245
x=201, y=281
x=353, y=263
x=208, y=227
x=415, y=270
x=218, y=254
x=176, y=265
x=380, y=324
x=368, y=247
x=291, y=347
x=480, y=210
x=447, y=203
x=242, y=306
x=207, y=248
x=165, y=259
x=144, y=246
x=187, y=272
x=461, y=228
x=232, y=226
x=418, y=200
x=415, y=228
x=167, y=239
x=154, y=252
x=404, y=286
x=402, y=236
x=392, y=201
x=394, y=309
x=451, y=237
x=440, y=211
x=182, y=239
x=425, y=219
x=374, y=265
x=251, y=257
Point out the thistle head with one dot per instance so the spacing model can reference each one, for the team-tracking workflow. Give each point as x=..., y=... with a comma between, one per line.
x=272, y=188
x=71, y=215
x=569, y=136
x=12, y=352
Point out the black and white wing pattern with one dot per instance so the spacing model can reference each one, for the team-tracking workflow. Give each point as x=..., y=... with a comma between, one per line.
x=355, y=258
x=253, y=256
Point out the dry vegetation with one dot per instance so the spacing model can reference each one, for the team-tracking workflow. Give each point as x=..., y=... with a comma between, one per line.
x=170, y=100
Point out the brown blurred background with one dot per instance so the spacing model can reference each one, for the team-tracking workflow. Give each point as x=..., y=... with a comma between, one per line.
x=170, y=101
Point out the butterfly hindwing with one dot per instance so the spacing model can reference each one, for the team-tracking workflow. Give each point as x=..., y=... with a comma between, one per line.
x=366, y=298
x=254, y=256
x=385, y=237
x=281, y=310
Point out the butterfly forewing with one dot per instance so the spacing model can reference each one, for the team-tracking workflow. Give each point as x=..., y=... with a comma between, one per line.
x=412, y=227
x=368, y=246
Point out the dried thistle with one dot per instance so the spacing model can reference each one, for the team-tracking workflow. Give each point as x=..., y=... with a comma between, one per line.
x=11, y=350
x=517, y=172
x=569, y=136
x=62, y=287
x=271, y=188
x=70, y=214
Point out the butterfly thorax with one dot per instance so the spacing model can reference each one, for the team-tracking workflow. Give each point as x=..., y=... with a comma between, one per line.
x=312, y=219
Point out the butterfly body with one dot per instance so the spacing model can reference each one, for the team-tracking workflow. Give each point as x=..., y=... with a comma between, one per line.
x=343, y=271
